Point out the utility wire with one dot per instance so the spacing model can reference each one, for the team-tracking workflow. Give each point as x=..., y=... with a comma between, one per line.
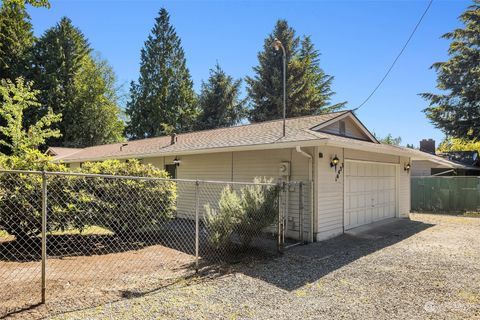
x=398, y=56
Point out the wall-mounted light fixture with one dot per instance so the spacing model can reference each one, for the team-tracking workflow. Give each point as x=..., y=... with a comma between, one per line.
x=334, y=162
x=407, y=166
x=177, y=161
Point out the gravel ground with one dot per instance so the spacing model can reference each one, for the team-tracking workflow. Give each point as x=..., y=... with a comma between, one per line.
x=424, y=268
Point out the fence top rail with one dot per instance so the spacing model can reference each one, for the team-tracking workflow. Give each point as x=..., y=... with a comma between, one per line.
x=110, y=176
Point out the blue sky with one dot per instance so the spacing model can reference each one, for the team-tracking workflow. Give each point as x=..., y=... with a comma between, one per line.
x=358, y=41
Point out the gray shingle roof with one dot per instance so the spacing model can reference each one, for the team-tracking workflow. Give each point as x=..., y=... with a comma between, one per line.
x=269, y=132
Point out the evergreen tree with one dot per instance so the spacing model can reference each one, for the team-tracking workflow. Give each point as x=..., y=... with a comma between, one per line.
x=163, y=97
x=220, y=105
x=16, y=38
x=314, y=93
x=74, y=84
x=16, y=41
x=308, y=87
x=457, y=112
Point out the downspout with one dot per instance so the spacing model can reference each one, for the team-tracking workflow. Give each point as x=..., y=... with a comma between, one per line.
x=310, y=179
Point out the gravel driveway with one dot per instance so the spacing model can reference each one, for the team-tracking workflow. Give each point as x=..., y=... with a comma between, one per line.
x=428, y=267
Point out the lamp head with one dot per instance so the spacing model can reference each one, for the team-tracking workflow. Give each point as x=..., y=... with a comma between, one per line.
x=277, y=44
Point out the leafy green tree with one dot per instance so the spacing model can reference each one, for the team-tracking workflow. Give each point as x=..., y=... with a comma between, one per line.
x=219, y=102
x=456, y=112
x=459, y=144
x=78, y=85
x=163, y=95
x=15, y=99
x=389, y=139
x=308, y=87
x=97, y=115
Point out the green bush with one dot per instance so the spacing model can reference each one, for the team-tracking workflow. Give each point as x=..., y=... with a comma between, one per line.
x=245, y=215
x=21, y=195
x=127, y=206
x=74, y=202
x=222, y=223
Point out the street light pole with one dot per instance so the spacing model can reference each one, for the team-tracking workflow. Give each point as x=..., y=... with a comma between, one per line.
x=277, y=45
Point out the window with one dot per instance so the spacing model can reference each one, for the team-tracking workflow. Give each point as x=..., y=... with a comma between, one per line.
x=171, y=170
x=342, y=128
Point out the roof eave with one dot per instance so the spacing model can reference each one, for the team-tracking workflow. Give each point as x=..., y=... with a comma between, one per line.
x=268, y=146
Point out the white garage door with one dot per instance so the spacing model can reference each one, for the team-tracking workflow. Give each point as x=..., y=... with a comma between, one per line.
x=370, y=192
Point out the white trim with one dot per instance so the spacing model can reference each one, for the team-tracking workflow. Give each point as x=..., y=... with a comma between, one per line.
x=397, y=185
x=354, y=119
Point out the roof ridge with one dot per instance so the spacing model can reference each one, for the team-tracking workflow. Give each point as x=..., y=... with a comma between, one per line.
x=218, y=129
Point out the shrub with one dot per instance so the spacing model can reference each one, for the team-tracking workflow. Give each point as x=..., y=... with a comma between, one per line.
x=75, y=202
x=260, y=209
x=222, y=223
x=127, y=206
x=21, y=195
x=245, y=215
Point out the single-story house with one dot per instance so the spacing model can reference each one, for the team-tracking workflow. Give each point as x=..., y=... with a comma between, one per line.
x=460, y=163
x=353, y=179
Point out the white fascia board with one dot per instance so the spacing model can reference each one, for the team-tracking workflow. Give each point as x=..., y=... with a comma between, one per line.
x=354, y=118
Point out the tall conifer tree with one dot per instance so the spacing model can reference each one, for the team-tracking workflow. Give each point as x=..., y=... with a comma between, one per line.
x=457, y=111
x=219, y=102
x=308, y=87
x=163, y=96
x=78, y=86
x=16, y=41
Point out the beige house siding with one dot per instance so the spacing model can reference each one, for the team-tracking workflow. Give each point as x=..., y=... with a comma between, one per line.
x=423, y=168
x=240, y=167
x=330, y=220
x=404, y=189
x=330, y=195
x=244, y=166
x=351, y=129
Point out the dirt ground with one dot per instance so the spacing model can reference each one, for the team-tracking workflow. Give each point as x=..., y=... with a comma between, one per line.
x=424, y=268
x=84, y=281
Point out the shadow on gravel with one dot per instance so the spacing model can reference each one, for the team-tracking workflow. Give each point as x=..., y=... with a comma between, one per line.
x=309, y=263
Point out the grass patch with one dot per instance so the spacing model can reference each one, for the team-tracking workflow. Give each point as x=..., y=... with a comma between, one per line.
x=90, y=230
x=4, y=234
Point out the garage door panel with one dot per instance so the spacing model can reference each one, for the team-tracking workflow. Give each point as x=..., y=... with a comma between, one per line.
x=370, y=193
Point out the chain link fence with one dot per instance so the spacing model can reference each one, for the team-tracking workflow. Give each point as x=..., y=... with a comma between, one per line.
x=445, y=194
x=77, y=240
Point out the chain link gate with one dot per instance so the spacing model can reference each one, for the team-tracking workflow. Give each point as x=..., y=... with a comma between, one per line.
x=90, y=239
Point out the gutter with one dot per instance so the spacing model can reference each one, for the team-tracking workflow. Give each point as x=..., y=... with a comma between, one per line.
x=310, y=180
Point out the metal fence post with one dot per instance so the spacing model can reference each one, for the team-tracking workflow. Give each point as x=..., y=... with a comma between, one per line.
x=197, y=224
x=301, y=209
x=44, y=234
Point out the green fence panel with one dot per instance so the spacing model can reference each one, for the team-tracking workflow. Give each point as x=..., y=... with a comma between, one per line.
x=445, y=194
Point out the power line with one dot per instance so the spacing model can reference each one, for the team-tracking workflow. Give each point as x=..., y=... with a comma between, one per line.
x=398, y=56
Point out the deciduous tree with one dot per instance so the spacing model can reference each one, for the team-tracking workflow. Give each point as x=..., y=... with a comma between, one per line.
x=16, y=98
